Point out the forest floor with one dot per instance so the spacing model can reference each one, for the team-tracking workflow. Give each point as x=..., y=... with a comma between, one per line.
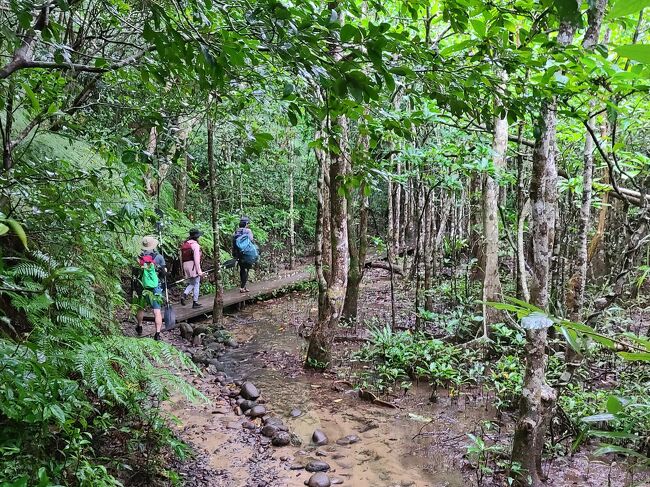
x=419, y=443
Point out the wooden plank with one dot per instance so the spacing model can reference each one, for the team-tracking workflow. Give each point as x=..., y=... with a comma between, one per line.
x=233, y=296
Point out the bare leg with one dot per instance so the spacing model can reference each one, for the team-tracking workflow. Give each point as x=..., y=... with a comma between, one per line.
x=157, y=316
x=139, y=316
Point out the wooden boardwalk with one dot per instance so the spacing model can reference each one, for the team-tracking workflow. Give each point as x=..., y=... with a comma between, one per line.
x=233, y=296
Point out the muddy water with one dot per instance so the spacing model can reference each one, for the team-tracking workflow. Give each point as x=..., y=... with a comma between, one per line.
x=389, y=453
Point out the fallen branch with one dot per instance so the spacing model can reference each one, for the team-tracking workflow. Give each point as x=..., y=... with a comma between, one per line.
x=370, y=397
x=382, y=265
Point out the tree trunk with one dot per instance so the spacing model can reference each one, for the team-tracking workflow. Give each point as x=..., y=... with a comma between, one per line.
x=320, y=260
x=292, y=223
x=428, y=254
x=322, y=337
x=491, y=281
x=358, y=247
x=217, y=306
x=538, y=398
x=7, y=159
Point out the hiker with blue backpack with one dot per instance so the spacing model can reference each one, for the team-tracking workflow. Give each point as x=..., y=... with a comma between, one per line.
x=245, y=251
x=152, y=268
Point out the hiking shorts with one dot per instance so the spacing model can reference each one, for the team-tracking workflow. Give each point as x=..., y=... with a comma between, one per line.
x=150, y=298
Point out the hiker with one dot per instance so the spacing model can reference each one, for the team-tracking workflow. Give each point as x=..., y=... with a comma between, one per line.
x=152, y=268
x=244, y=250
x=191, y=259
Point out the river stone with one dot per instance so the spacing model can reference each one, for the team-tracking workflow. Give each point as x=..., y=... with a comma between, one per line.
x=319, y=438
x=281, y=438
x=249, y=391
x=336, y=481
x=317, y=466
x=214, y=346
x=270, y=430
x=295, y=413
x=186, y=331
x=231, y=342
x=256, y=411
x=245, y=405
x=201, y=357
x=348, y=440
x=318, y=480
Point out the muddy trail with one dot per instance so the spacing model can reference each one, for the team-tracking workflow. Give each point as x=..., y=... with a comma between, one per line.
x=419, y=443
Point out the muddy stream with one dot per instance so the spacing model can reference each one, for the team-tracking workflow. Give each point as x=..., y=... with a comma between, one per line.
x=419, y=444
x=387, y=453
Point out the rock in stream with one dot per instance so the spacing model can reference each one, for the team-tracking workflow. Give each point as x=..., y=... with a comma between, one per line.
x=318, y=480
x=249, y=391
x=319, y=438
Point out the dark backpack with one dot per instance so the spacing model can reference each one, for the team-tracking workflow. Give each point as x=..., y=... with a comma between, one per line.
x=248, y=253
x=187, y=253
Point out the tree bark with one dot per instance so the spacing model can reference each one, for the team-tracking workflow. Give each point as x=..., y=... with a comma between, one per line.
x=358, y=248
x=292, y=222
x=217, y=305
x=322, y=336
x=491, y=281
x=538, y=398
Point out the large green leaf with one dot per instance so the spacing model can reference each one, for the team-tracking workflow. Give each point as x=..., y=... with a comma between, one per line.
x=639, y=356
x=621, y=8
x=572, y=338
x=635, y=52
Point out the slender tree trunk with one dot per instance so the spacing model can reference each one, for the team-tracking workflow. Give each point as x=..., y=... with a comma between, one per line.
x=181, y=184
x=7, y=134
x=217, y=306
x=522, y=275
x=151, y=150
x=321, y=256
x=292, y=223
x=538, y=398
x=428, y=254
x=491, y=281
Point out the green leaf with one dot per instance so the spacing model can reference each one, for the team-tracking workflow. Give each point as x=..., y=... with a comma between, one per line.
x=18, y=230
x=349, y=32
x=572, y=338
x=3, y=228
x=613, y=434
x=289, y=88
x=597, y=418
x=606, y=449
x=32, y=97
x=614, y=404
x=620, y=8
x=635, y=52
x=58, y=413
x=635, y=356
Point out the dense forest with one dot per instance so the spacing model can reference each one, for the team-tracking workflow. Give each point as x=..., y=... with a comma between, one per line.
x=451, y=204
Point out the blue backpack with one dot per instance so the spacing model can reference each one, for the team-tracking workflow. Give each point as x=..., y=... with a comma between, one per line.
x=247, y=250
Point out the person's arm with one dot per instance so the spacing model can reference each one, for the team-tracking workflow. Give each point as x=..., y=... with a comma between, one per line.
x=197, y=257
x=250, y=235
x=161, y=265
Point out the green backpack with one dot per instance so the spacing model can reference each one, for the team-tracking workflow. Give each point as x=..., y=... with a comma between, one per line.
x=149, y=273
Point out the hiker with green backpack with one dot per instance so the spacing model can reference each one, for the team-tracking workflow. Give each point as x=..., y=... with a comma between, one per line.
x=245, y=251
x=151, y=268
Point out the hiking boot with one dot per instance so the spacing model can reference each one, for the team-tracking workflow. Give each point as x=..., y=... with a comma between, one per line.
x=157, y=336
x=138, y=330
x=183, y=298
x=196, y=304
